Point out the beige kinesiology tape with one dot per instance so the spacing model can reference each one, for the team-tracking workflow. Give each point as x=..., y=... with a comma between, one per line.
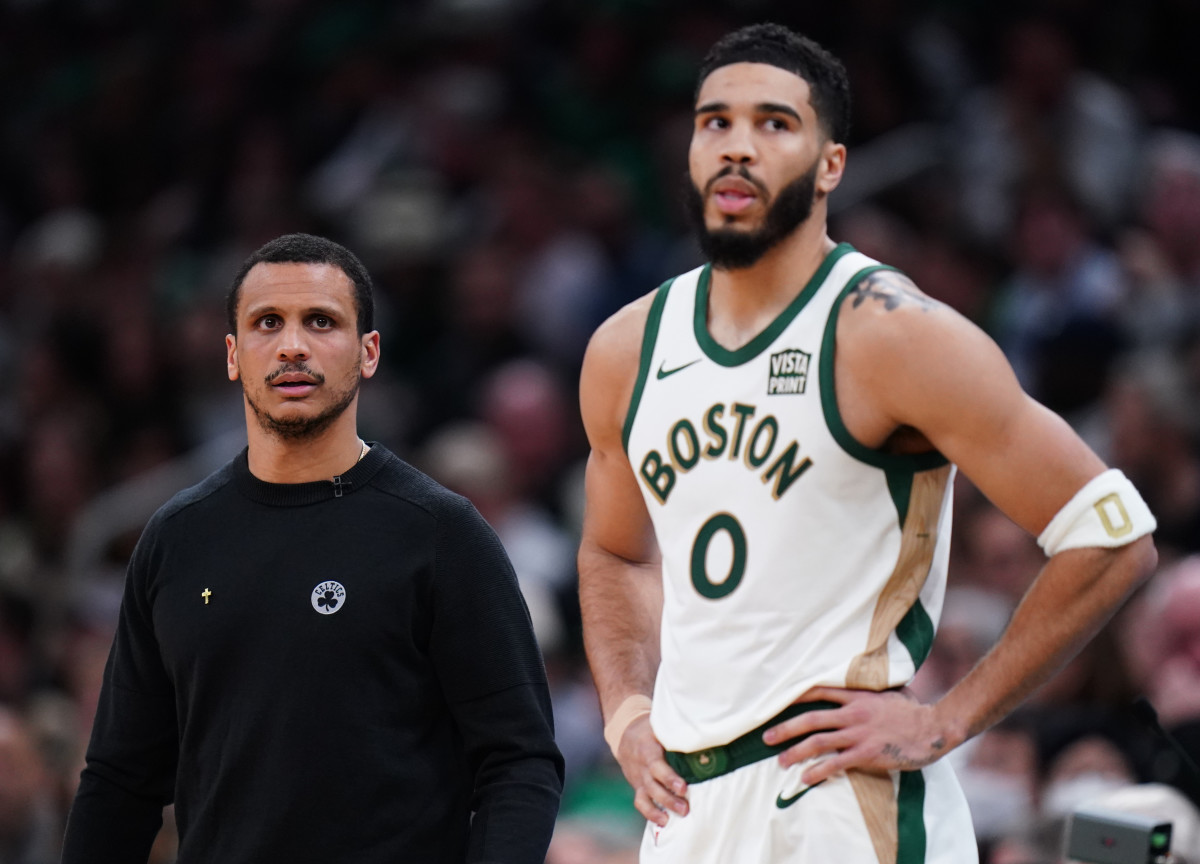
x=1106, y=512
x=631, y=709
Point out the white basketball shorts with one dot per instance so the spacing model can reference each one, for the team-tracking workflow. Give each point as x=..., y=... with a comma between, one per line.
x=762, y=814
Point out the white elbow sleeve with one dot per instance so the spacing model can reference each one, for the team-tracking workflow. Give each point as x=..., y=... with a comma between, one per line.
x=1106, y=512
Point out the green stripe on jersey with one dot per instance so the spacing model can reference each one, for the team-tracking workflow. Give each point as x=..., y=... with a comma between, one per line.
x=911, y=818
x=915, y=632
x=902, y=463
x=899, y=483
x=649, y=337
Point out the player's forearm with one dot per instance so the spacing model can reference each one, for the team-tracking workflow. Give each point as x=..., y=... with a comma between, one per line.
x=1076, y=593
x=621, y=603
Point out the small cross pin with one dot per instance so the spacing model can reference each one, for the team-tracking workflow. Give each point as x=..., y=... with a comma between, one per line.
x=206, y=594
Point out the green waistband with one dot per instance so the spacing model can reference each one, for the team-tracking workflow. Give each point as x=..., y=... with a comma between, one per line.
x=745, y=750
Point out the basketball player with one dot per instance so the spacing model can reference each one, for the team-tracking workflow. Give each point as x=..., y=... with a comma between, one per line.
x=774, y=437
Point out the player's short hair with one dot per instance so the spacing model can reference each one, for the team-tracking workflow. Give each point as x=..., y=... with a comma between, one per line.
x=308, y=249
x=776, y=45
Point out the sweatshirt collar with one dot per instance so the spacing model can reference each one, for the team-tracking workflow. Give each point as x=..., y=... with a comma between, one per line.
x=296, y=494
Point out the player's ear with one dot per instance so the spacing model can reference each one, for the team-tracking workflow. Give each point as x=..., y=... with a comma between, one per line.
x=231, y=365
x=830, y=166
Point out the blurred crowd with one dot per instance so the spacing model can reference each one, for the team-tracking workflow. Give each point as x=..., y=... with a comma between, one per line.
x=509, y=171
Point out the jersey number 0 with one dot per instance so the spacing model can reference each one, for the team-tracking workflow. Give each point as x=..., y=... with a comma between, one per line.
x=737, y=566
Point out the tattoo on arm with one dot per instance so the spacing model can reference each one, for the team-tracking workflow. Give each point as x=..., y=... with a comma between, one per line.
x=892, y=289
x=905, y=763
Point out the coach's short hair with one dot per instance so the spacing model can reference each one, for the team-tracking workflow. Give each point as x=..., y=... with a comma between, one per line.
x=776, y=45
x=308, y=249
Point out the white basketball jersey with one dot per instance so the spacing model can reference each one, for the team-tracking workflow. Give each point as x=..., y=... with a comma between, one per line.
x=792, y=554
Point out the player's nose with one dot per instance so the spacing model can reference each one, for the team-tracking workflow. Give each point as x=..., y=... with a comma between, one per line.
x=738, y=146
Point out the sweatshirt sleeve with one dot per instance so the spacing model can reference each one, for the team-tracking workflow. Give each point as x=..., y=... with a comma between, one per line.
x=492, y=673
x=130, y=768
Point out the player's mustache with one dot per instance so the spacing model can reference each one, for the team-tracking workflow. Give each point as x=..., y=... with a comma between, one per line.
x=739, y=170
x=300, y=368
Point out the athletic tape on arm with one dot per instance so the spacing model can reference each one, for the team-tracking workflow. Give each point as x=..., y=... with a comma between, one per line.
x=1106, y=512
x=631, y=709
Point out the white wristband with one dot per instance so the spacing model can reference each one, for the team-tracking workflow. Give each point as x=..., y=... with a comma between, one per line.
x=635, y=706
x=1106, y=512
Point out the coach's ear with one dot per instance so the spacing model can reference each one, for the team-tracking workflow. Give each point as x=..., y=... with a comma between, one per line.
x=370, y=354
x=231, y=364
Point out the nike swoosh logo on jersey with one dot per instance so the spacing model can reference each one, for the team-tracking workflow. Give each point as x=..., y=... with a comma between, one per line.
x=663, y=372
x=782, y=802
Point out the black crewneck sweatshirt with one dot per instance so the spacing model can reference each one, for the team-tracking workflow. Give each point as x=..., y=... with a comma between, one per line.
x=321, y=672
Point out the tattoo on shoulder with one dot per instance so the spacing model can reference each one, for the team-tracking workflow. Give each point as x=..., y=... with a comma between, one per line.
x=892, y=289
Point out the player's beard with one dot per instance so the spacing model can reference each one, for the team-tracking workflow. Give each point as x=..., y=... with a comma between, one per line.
x=298, y=428
x=731, y=249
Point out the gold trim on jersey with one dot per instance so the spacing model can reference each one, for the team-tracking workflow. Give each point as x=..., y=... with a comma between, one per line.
x=918, y=542
x=876, y=794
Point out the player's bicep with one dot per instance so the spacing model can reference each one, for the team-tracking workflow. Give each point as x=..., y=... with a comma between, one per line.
x=615, y=518
x=952, y=383
x=1029, y=464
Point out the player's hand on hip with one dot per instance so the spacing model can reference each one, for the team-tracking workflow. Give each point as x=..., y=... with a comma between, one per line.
x=656, y=786
x=869, y=731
